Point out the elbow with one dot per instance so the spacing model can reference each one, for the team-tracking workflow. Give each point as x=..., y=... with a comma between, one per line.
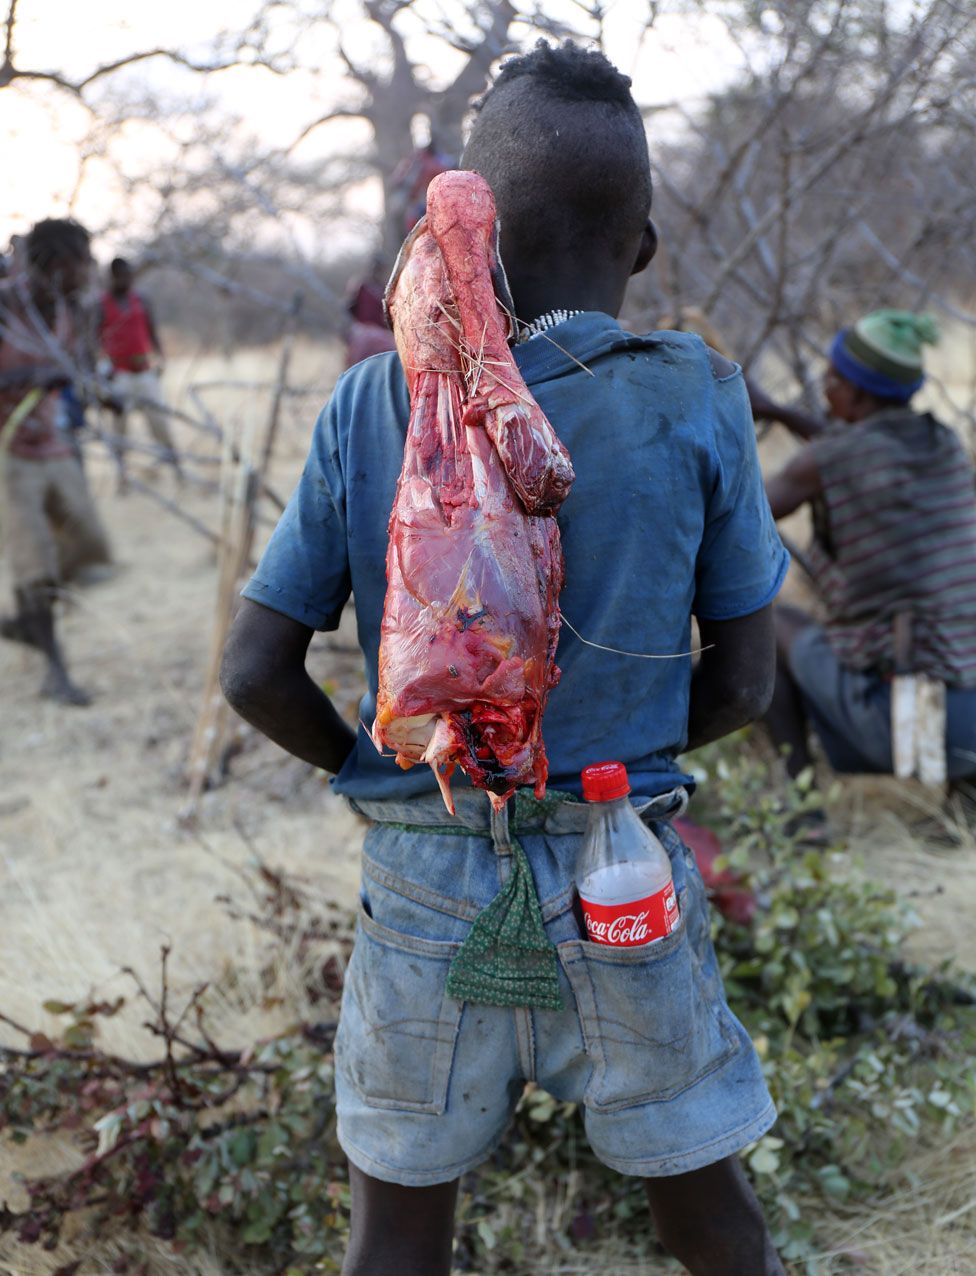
x=242, y=682
x=749, y=701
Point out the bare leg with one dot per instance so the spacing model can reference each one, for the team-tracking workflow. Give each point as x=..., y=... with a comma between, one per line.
x=81, y=539
x=159, y=428
x=118, y=444
x=399, y=1231
x=785, y=718
x=712, y=1222
x=34, y=625
x=14, y=630
x=157, y=418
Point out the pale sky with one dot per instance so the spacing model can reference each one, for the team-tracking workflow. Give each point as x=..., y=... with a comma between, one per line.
x=41, y=126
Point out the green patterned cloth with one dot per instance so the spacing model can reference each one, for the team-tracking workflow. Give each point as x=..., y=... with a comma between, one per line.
x=507, y=959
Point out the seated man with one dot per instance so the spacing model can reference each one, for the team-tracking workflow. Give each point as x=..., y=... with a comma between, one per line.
x=894, y=511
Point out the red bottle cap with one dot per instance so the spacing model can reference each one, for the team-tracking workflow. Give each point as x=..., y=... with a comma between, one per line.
x=604, y=781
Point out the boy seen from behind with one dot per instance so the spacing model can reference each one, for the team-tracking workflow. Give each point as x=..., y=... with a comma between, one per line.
x=667, y=519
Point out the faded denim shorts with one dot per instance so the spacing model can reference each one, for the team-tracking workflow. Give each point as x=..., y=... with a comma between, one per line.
x=666, y=1076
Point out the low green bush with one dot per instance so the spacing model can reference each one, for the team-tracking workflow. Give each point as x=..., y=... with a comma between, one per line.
x=865, y=1056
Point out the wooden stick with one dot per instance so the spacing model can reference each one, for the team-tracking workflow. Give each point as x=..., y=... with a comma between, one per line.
x=281, y=386
x=241, y=483
x=174, y=508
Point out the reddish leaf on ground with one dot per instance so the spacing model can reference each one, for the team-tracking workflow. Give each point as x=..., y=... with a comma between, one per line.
x=730, y=897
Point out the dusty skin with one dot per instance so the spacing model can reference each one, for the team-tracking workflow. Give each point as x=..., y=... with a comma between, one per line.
x=97, y=872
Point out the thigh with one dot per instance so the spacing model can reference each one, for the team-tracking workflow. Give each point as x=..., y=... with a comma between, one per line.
x=850, y=710
x=29, y=536
x=154, y=406
x=399, y=1231
x=118, y=422
x=72, y=509
x=712, y=1221
x=790, y=622
x=151, y=390
x=721, y=1186
x=961, y=732
x=125, y=386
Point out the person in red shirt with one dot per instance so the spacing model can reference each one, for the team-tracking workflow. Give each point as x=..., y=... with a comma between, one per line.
x=129, y=339
x=368, y=333
x=411, y=178
x=52, y=532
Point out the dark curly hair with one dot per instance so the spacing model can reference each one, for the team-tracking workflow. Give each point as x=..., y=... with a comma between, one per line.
x=561, y=141
x=568, y=71
x=55, y=239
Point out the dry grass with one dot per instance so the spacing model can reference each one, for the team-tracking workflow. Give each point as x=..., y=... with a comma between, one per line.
x=923, y=1224
x=98, y=873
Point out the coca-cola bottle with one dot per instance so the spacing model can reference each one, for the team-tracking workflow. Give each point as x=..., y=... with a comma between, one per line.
x=623, y=873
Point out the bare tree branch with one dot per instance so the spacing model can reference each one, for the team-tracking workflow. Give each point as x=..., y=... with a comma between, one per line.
x=340, y=113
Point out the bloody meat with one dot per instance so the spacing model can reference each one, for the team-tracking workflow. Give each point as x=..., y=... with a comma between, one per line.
x=474, y=565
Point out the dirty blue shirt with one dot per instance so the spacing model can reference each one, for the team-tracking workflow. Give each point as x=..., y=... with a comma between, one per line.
x=667, y=519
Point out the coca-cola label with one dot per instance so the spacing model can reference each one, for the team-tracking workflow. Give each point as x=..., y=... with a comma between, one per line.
x=629, y=924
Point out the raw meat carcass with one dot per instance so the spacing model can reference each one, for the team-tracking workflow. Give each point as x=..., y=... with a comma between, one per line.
x=474, y=565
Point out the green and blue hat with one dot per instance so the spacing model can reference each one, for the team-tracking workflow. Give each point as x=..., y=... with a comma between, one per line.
x=882, y=353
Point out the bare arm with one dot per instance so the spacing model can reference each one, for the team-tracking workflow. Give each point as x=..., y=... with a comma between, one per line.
x=263, y=676
x=796, y=483
x=796, y=421
x=34, y=374
x=733, y=682
x=29, y=376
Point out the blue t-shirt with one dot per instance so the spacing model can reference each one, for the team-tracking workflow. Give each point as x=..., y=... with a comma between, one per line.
x=667, y=518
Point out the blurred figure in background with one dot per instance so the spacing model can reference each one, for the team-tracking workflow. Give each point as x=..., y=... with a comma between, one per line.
x=411, y=178
x=14, y=260
x=369, y=332
x=52, y=532
x=893, y=557
x=130, y=340
x=691, y=319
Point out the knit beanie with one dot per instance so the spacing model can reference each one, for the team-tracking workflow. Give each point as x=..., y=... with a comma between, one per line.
x=882, y=353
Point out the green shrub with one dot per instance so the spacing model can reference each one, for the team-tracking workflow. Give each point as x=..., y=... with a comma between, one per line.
x=865, y=1057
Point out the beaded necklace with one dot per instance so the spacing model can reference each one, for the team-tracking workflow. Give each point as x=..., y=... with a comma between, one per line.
x=543, y=323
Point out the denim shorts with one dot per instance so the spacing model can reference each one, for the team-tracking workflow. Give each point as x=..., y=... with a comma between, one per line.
x=851, y=711
x=426, y=1086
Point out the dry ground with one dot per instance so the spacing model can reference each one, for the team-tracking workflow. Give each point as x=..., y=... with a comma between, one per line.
x=97, y=871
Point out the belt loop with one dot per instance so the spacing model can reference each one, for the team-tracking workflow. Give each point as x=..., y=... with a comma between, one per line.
x=500, y=835
x=681, y=806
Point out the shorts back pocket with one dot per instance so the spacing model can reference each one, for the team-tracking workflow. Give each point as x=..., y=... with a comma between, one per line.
x=650, y=1027
x=397, y=1028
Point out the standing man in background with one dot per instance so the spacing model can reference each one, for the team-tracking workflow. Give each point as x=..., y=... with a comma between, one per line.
x=368, y=333
x=128, y=335
x=51, y=529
